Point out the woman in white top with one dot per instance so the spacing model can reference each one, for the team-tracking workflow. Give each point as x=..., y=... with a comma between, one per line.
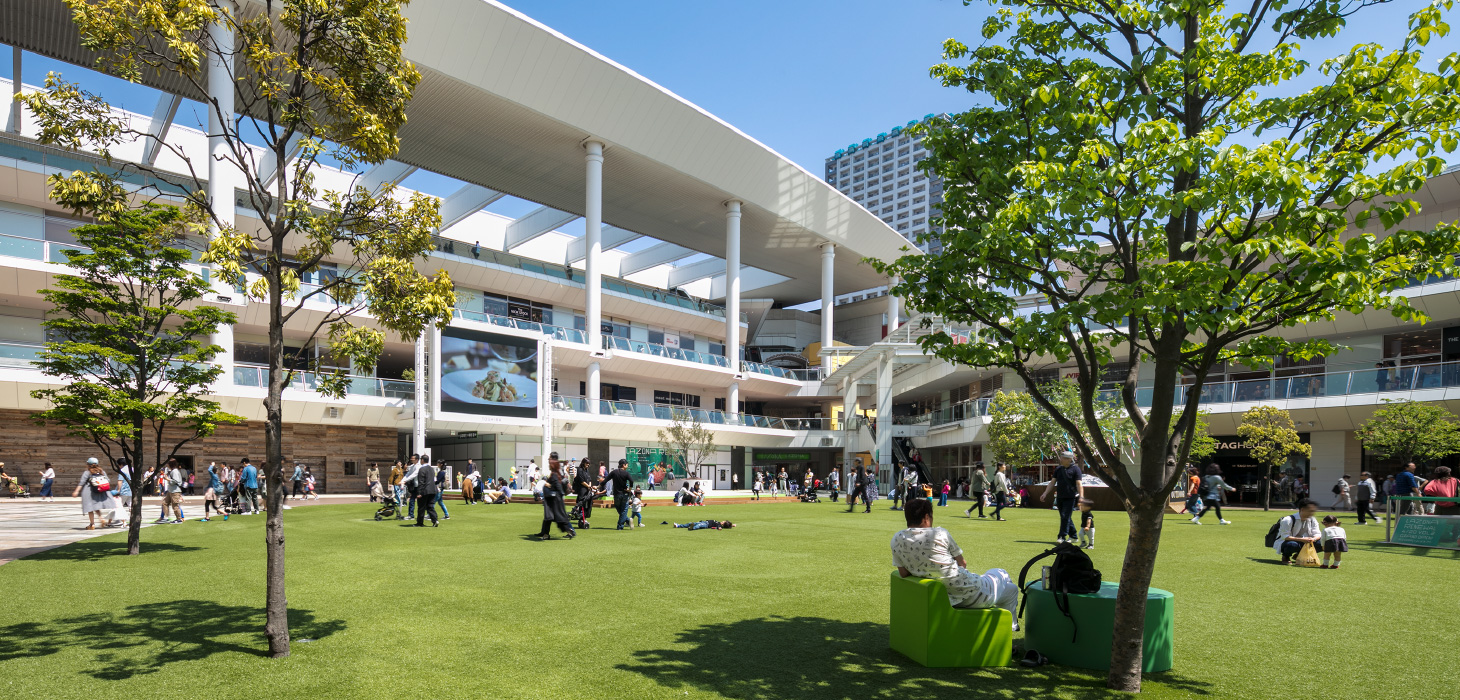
x=1296, y=530
x=48, y=478
x=929, y=552
x=95, y=502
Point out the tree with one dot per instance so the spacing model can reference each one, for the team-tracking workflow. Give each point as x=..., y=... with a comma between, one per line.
x=130, y=343
x=1411, y=431
x=1022, y=432
x=1269, y=433
x=1148, y=174
x=317, y=80
x=688, y=437
x=1202, y=444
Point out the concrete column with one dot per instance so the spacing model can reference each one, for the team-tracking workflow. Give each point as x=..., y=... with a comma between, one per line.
x=884, y=413
x=732, y=399
x=828, y=264
x=220, y=121
x=893, y=320
x=593, y=384
x=732, y=284
x=593, y=240
x=14, y=125
x=223, y=337
x=849, y=417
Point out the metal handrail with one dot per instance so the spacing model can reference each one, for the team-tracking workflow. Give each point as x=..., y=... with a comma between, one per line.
x=257, y=376
x=646, y=348
x=666, y=412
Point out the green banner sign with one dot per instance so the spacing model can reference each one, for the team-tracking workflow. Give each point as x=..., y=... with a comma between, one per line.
x=1441, y=531
x=759, y=457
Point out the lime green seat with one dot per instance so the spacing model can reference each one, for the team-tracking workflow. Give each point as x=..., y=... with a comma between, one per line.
x=1047, y=630
x=926, y=628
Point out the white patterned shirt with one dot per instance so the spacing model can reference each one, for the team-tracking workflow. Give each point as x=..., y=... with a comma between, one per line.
x=930, y=552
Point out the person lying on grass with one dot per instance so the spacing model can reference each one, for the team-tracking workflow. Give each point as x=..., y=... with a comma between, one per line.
x=929, y=552
x=704, y=525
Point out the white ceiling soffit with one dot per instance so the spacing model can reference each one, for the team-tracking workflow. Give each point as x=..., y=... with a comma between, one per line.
x=613, y=237
x=653, y=256
x=464, y=202
x=162, y=117
x=540, y=221
x=506, y=103
x=752, y=279
x=390, y=171
x=694, y=272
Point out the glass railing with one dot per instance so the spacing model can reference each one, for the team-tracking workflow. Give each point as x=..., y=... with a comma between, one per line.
x=654, y=411
x=37, y=249
x=571, y=335
x=569, y=273
x=617, y=343
x=804, y=375
x=20, y=354
x=258, y=376
x=24, y=149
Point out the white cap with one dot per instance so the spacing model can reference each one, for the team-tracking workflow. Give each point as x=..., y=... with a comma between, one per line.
x=92, y=460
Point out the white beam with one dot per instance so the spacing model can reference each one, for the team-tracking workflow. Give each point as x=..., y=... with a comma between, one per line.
x=391, y=171
x=613, y=237
x=751, y=279
x=268, y=170
x=464, y=202
x=162, y=116
x=537, y=223
x=653, y=256
x=13, y=117
x=693, y=272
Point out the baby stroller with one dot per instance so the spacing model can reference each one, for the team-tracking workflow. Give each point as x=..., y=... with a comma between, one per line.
x=576, y=515
x=809, y=496
x=17, y=489
x=389, y=507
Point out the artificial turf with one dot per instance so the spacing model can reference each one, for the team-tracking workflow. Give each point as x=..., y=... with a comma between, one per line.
x=790, y=604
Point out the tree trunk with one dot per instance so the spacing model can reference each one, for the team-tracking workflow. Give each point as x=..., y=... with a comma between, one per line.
x=1127, y=642
x=134, y=462
x=276, y=606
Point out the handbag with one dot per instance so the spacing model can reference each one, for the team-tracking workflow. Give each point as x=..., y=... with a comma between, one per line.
x=1308, y=556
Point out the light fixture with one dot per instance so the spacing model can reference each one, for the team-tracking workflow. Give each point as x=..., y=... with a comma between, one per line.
x=568, y=427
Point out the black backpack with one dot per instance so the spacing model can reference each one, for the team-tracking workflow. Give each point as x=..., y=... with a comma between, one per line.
x=1071, y=572
x=1272, y=532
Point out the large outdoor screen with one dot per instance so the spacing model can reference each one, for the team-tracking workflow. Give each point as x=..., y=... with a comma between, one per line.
x=487, y=374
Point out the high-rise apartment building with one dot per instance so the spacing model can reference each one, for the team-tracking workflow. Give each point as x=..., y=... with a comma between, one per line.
x=881, y=174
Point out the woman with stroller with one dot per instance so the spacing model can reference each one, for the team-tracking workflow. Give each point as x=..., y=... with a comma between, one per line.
x=553, y=491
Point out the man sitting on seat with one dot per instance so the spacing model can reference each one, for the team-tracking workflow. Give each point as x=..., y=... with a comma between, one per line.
x=929, y=552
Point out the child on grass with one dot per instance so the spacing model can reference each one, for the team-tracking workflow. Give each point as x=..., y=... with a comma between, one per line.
x=638, y=505
x=1087, y=524
x=1334, y=541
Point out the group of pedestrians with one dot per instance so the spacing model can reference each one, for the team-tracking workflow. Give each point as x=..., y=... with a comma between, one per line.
x=586, y=487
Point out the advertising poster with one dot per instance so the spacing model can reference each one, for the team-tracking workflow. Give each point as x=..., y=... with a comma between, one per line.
x=644, y=459
x=1442, y=531
x=487, y=374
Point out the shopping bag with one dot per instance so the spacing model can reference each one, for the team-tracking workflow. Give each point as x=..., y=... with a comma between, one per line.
x=1308, y=555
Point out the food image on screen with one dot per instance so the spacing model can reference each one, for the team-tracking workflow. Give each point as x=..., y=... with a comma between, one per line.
x=488, y=374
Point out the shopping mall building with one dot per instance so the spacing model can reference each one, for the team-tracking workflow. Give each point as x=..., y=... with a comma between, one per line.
x=621, y=257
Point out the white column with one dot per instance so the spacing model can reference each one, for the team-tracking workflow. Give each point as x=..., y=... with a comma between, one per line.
x=592, y=390
x=546, y=372
x=220, y=121
x=884, y=412
x=223, y=338
x=593, y=240
x=893, y=320
x=418, y=424
x=732, y=285
x=732, y=399
x=15, y=83
x=828, y=264
x=849, y=418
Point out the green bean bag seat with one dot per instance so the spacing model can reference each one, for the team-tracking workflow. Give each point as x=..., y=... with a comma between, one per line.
x=1048, y=631
x=926, y=628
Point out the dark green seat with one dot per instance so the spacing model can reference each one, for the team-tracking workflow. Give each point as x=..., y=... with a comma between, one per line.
x=926, y=628
x=1047, y=630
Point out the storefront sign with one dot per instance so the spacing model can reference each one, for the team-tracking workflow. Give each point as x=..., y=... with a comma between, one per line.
x=758, y=456
x=1428, y=531
x=910, y=430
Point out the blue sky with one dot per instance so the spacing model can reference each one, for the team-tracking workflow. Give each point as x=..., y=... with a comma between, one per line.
x=805, y=77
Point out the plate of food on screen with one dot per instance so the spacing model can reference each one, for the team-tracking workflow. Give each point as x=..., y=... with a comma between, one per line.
x=490, y=386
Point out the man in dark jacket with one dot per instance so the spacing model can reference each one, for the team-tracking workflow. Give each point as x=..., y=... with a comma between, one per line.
x=426, y=490
x=584, y=488
x=623, y=489
x=859, y=487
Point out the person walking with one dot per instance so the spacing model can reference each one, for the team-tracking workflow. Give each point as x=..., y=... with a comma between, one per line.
x=413, y=489
x=248, y=486
x=296, y=481
x=1442, y=485
x=212, y=492
x=859, y=486
x=170, y=481
x=869, y=492
x=1214, y=489
x=48, y=478
x=1407, y=484
x=1364, y=494
x=755, y=483
x=943, y=494
x=397, y=476
x=834, y=482
x=623, y=486
x=1000, y=487
x=427, y=492
x=95, y=490
x=438, y=479
x=584, y=489
x=1068, y=485
x=1342, y=499
x=310, y=492
x=553, y=512
x=1193, y=490
x=978, y=487
x=124, y=490
x=372, y=482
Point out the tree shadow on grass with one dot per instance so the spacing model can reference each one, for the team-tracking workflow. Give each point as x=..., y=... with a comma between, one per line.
x=144, y=639
x=810, y=657
x=92, y=550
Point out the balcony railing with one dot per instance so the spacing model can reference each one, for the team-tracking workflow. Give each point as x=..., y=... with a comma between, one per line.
x=804, y=375
x=617, y=343
x=447, y=246
x=258, y=376
x=20, y=354
x=571, y=335
x=654, y=411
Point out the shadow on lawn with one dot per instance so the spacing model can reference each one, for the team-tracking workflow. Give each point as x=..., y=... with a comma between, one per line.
x=92, y=550
x=811, y=657
x=145, y=638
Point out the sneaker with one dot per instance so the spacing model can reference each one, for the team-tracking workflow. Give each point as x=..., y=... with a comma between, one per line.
x=159, y=521
x=1323, y=566
x=1225, y=522
x=1196, y=521
x=225, y=517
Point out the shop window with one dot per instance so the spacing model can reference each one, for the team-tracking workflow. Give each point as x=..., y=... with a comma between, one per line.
x=351, y=469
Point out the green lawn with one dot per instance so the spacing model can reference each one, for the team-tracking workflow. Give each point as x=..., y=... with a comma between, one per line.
x=792, y=604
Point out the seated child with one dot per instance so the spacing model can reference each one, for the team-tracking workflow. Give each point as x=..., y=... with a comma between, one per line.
x=929, y=552
x=1333, y=541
